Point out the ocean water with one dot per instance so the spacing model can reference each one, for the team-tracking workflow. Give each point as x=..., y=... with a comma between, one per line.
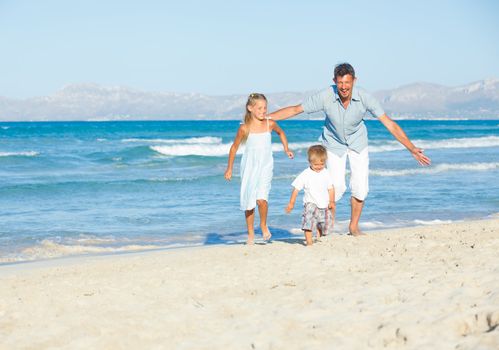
x=106, y=187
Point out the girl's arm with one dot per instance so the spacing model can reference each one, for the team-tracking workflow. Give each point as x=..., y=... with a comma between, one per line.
x=233, y=150
x=282, y=136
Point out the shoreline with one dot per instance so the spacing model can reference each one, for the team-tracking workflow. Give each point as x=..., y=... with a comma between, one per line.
x=294, y=233
x=411, y=288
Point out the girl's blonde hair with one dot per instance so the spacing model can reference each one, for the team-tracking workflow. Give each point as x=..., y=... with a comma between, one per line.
x=252, y=98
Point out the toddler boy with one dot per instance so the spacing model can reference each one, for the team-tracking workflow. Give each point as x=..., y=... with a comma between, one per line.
x=319, y=206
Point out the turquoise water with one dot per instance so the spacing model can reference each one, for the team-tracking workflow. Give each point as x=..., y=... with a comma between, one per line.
x=102, y=187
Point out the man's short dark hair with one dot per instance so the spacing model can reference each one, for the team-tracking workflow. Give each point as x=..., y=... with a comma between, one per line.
x=343, y=69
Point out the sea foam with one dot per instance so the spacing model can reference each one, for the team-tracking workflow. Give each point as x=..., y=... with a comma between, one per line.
x=19, y=154
x=470, y=142
x=207, y=150
x=439, y=168
x=50, y=248
x=192, y=140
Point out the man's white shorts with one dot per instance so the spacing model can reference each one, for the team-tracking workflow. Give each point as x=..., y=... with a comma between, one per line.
x=359, y=173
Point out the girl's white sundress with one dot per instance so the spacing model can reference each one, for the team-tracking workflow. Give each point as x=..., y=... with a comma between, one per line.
x=257, y=166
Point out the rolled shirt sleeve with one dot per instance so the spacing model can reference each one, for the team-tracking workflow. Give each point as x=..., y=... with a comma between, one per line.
x=314, y=103
x=372, y=105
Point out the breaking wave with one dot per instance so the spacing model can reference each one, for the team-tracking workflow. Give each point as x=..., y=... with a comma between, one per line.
x=51, y=248
x=214, y=146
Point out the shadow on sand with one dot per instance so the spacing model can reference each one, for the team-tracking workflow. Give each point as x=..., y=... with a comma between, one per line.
x=240, y=237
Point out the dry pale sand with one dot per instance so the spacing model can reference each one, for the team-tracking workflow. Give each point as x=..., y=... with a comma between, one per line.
x=431, y=287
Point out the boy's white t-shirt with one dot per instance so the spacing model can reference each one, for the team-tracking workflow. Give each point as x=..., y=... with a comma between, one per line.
x=316, y=186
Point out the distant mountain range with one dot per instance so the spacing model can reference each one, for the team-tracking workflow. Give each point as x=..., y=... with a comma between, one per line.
x=478, y=100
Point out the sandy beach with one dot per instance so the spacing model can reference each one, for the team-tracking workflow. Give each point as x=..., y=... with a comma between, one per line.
x=431, y=287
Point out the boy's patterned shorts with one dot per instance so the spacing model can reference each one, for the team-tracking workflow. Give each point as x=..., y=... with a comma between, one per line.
x=314, y=218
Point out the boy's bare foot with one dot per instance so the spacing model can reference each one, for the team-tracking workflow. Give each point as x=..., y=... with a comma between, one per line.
x=308, y=238
x=319, y=235
x=250, y=242
x=266, y=234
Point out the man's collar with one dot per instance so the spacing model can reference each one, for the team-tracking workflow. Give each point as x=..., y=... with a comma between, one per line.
x=355, y=93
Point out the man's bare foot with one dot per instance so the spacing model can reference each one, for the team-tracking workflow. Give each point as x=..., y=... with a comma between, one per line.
x=356, y=233
x=266, y=234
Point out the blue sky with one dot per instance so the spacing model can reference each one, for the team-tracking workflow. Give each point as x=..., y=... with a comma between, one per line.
x=236, y=47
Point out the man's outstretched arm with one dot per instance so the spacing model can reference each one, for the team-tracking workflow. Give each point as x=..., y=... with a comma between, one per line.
x=401, y=137
x=286, y=112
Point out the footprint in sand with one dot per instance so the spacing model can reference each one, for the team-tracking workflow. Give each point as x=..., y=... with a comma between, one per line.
x=483, y=322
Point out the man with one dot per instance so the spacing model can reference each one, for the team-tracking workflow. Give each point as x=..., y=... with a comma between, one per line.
x=345, y=135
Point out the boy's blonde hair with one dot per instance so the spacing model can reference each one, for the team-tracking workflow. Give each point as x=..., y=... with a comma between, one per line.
x=252, y=98
x=317, y=152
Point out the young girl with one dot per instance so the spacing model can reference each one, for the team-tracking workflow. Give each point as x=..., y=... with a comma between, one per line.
x=257, y=162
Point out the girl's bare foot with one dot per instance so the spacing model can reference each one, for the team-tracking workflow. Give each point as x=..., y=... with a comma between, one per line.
x=266, y=234
x=251, y=238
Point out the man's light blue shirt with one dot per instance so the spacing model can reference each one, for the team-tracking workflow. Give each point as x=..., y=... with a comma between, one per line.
x=343, y=128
